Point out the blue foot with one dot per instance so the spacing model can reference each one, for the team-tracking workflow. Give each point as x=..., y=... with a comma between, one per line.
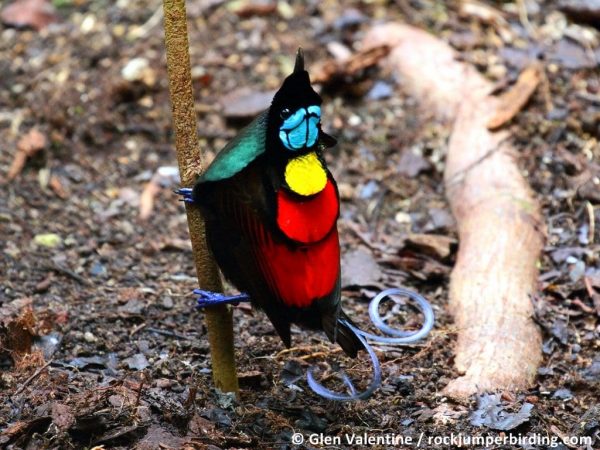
x=186, y=194
x=208, y=298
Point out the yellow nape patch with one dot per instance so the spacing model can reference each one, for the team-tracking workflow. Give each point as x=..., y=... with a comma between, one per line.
x=305, y=174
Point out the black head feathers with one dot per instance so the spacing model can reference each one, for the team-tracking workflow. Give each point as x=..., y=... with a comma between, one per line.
x=299, y=66
x=296, y=91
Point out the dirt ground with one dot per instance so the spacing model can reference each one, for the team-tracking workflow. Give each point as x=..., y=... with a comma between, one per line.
x=102, y=343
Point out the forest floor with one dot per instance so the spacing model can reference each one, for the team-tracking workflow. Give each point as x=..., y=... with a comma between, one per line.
x=103, y=297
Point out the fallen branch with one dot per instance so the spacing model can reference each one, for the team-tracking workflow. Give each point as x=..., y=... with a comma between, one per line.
x=499, y=222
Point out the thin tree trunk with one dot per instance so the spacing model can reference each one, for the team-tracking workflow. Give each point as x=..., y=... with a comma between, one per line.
x=189, y=157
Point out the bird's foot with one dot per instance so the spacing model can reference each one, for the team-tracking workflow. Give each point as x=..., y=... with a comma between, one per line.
x=186, y=194
x=208, y=298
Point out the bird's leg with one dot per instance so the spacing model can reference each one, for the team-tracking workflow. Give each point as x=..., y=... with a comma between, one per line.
x=186, y=194
x=209, y=298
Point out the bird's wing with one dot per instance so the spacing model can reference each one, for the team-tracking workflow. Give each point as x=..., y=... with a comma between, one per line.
x=248, y=145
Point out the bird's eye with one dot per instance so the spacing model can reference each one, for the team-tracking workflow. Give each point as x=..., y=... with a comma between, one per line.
x=285, y=113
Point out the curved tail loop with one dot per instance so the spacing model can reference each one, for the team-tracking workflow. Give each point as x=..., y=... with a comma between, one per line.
x=399, y=337
x=206, y=298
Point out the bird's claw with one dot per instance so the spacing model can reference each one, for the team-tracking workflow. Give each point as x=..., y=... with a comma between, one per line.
x=186, y=194
x=209, y=298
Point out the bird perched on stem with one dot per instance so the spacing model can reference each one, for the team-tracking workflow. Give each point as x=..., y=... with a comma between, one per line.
x=271, y=208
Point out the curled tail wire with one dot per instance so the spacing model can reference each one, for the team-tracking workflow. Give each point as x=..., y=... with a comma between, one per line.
x=400, y=337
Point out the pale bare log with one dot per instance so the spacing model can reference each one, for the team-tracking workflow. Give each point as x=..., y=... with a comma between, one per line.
x=499, y=222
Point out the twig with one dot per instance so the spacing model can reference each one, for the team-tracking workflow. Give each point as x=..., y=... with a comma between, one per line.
x=139, y=392
x=137, y=328
x=68, y=272
x=31, y=378
x=592, y=218
x=168, y=333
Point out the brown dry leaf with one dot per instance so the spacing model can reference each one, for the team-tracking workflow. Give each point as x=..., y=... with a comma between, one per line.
x=419, y=266
x=17, y=328
x=255, y=8
x=57, y=187
x=482, y=12
x=333, y=69
x=411, y=164
x=438, y=246
x=582, y=11
x=62, y=416
x=176, y=244
x=591, y=284
x=244, y=103
x=252, y=379
x=36, y=14
x=23, y=428
x=147, y=199
x=158, y=437
x=165, y=176
x=28, y=145
x=359, y=268
x=512, y=101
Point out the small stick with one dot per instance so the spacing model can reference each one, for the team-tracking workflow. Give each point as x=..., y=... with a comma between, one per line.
x=592, y=218
x=218, y=318
x=167, y=333
x=63, y=270
x=32, y=377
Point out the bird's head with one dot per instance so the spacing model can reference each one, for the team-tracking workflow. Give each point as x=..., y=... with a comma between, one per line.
x=295, y=114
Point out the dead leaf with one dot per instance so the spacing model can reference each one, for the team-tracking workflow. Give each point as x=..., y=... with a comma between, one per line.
x=438, y=246
x=24, y=428
x=244, y=103
x=158, y=437
x=165, y=176
x=252, y=379
x=28, y=145
x=492, y=414
x=590, y=284
x=512, y=101
x=62, y=416
x=57, y=187
x=36, y=14
x=255, y=8
x=582, y=11
x=334, y=69
x=418, y=264
x=17, y=328
x=359, y=268
x=151, y=190
x=482, y=12
x=412, y=164
x=572, y=55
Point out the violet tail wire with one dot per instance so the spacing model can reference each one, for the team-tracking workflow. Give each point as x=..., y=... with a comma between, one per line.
x=207, y=298
x=403, y=337
x=328, y=394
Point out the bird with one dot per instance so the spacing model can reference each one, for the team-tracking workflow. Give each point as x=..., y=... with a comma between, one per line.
x=271, y=207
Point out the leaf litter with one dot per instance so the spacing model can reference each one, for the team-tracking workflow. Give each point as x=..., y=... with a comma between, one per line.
x=98, y=298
